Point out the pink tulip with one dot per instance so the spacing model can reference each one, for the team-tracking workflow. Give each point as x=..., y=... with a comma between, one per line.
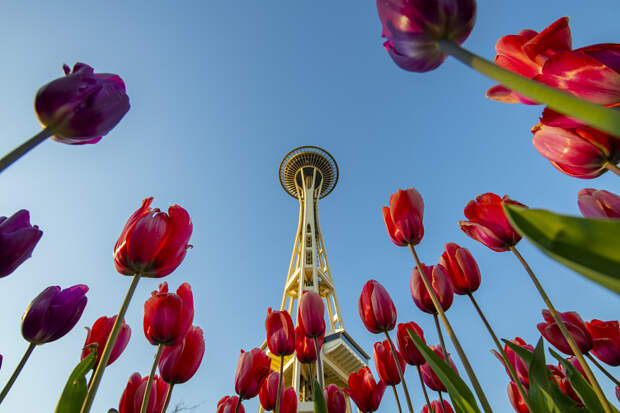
x=598, y=203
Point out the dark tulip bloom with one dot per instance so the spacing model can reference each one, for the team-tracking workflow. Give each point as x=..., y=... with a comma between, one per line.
x=407, y=347
x=429, y=376
x=99, y=335
x=376, y=308
x=253, y=367
x=305, y=349
x=133, y=395
x=311, y=314
x=385, y=364
x=168, y=316
x=335, y=399
x=289, y=401
x=180, y=362
x=575, y=326
x=17, y=241
x=461, y=268
x=83, y=106
x=228, y=404
x=280, y=333
x=605, y=340
x=53, y=313
x=440, y=283
x=364, y=390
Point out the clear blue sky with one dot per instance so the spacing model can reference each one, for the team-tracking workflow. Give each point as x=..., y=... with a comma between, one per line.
x=220, y=92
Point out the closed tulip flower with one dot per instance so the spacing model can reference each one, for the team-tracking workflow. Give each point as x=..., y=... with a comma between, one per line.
x=385, y=364
x=437, y=407
x=461, y=268
x=488, y=223
x=335, y=399
x=253, y=367
x=99, y=335
x=289, y=401
x=598, y=203
x=403, y=218
x=559, y=377
x=53, y=313
x=153, y=243
x=133, y=395
x=413, y=29
x=441, y=287
x=407, y=348
x=268, y=392
x=311, y=314
x=180, y=362
x=575, y=326
x=376, y=308
x=520, y=366
x=17, y=241
x=516, y=400
x=364, y=390
x=168, y=316
x=605, y=340
x=429, y=376
x=305, y=350
x=280, y=333
x=228, y=404
x=83, y=106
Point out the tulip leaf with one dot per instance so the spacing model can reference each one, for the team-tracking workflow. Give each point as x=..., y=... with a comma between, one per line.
x=589, y=246
x=75, y=390
x=319, y=400
x=462, y=398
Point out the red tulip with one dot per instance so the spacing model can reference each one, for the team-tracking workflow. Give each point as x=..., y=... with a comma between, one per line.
x=440, y=284
x=461, y=268
x=605, y=340
x=403, y=218
x=558, y=376
x=407, y=348
x=618, y=393
x=575, y=363
x=519, y=365
x=575, y=326
x=305, y=349
x=168, y=316
x=335, y=399
x=253, y=367
x=131, y=400
x=82, y=106
x=488, y=223
x=376, y=308
x=598, y=203
x=99, y=335
x=364, y=390
x=311, y=314
x=17, y=241
x=436, y=407
x=280, y=333
x=180, y=362
x=268, y=392
x=153, y=243
x=228, y=404
x=429, y=376
x=413, y=28
x=289, y=401
x=516, y=399
x=385, y=364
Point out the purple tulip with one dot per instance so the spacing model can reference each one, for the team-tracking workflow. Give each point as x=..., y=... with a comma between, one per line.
x=82, y=106
x=598, y=203
x=53, y=313
x=17, y=240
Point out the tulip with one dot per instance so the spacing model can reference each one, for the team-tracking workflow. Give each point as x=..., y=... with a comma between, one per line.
x=335, y=399
x=598, y=203
x=17, y=241
x=558, y=376
x=253, y=367
x=488, y=223
x=364, y=390
x=180, y=362
x=407, y=348
x=385, y=364
x=605, y=340
x=618, y=393
x=515, y=399
x=429, y=376
x=305, y=349
x=413, y=29
x=403, y=218
x=461, y=268
x=99, y=335
x=575, y=326
x=439, y=407
x=153, y=243
x=376, y=308
x=230, y=404
x=518, y=364
x=168, y=316
x=311, y=314
x=440, y=284
x=289, y=401
x=131, y=400
x=280, y=333
x=268, y=392
x=575, y=363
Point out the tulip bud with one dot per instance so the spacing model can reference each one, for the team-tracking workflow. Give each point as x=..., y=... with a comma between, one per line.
x=516, y=399
x=461, y=268
x=519, y=365
x=99, y=335
x=168, y=316
x=17, y=241
x=407, y=347
x=53, y=313
x=153, y=243
x=280, y=333
x=403, y=218
x=436, y=407
x=288, y=403
x=605, y=340
x=228, y=404
x=335, y=399
x=385, y=364
x=414, y=27
x=305, y=349
x=268, y=392
x=575, y=363
x=311, y=314
x=83, y=106
x=364, y=390
x=440, y=283
x=180, y=362
x=133, y=395
x=575, y=326
x=429, y=376
x=376, y=308
x=598, y=204
x=253, y=367
x=558, y=376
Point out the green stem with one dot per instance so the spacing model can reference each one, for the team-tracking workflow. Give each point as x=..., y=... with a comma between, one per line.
x=443, y=409
x=498, y=344
x=149, y=383
x=571, y=342
x=238, y=404
x=400, y=372
x=168, y=396
x=22, y=149
x=441, y=341
x=455, y=341
x=319, y=366
x=279, y=384
x=18, y=369
x=107, y=351
x=603, y=369
x=597, y=116
x=400, y=410
x=428, y=401
x=613, y=168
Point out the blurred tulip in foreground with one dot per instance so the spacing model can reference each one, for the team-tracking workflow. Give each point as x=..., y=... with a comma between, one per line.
x=133, y=395
x=403, y=218
x=461, y=268
x=598, y=203
x=575, y=326
x=407, y=348
x=168, y=316
x=605, y=340
x=335, y=399
x=364, y=390
x=253, y=367
x=440, y=283
x=376, y=308
x=99, y=335
x=17, y=241
x=289, y=401
x=180, y=362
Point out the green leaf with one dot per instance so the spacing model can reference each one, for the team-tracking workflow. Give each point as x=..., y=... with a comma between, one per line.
x=462, y=398
x=319, y=400
x=589, y=246
x=75, y=390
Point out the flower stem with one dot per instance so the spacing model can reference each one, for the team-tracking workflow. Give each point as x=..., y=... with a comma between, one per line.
x=238, y=404
x=22, y=149
x=18, y=369
x=319, y=366
x=443, y=343
x=455, y=341
x=571, y=342
x=428, y=401
x=279, y=384
x=597, y=116
x=613, y=168
x=400, y=372
x=168, y=397
x=603, y=369
x=107, y=351
x=149, y=383
x=443, y=408
x=500, y=348
x=400, y=410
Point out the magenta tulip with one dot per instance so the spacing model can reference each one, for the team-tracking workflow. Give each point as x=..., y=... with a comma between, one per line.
x=407, y=348
x=461, y=268
x=429, y=376
x=228, y=404
x=440, y=283
x=253, y=367
x=605, y=340
x=575, y=326
x=598, y=203
x=519, y=365
x=376, y=308
x=403, y=218
x=335, y=399
x=289, y=401
x=311, y=314
x=17, y=241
